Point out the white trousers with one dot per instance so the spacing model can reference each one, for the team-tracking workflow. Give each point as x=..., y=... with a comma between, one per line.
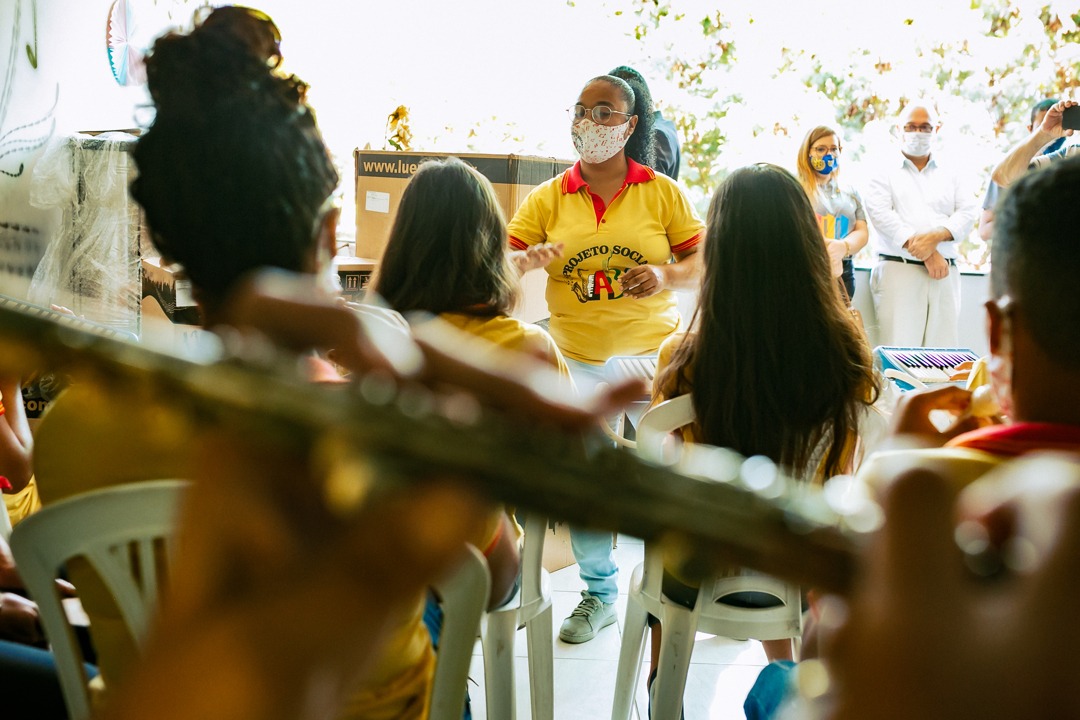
x=913, y=309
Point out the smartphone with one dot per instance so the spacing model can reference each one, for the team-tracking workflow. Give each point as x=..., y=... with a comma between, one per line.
x=1070, y=118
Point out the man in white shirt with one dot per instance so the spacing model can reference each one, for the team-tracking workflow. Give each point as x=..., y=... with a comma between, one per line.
x=919, y=210
x=1026, y=154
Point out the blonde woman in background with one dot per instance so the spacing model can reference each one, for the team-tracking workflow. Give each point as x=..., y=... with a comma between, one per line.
x=839, y=208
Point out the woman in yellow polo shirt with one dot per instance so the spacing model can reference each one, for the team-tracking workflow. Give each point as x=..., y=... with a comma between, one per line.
x=628, y=237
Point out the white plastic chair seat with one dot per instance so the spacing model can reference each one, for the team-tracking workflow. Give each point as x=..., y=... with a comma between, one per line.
x=680, y=624
x=116, y=530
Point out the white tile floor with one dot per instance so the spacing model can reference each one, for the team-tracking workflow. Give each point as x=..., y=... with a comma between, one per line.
x=721, y=670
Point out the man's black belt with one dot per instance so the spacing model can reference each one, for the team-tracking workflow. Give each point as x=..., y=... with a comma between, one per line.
x=897, y=258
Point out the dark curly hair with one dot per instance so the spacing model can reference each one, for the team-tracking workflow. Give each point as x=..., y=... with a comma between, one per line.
x=233, y=172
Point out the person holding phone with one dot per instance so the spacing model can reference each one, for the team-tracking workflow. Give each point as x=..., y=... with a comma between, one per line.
x=1060, y=121
x=993, y=191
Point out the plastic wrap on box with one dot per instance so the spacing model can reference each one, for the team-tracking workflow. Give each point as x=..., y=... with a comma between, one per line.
x=92, y=264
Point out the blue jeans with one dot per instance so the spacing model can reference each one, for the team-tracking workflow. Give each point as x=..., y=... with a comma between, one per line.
x=772, y=687
x=28, y=681
x=592, y=548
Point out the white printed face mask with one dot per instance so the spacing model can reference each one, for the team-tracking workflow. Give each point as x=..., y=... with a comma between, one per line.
x=917, y=144
x=597, y=143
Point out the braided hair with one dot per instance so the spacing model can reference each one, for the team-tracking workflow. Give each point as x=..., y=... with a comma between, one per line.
x=233, y=172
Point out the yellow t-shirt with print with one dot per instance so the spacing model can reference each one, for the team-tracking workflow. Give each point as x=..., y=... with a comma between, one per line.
x=647, y=222
x=510, y=334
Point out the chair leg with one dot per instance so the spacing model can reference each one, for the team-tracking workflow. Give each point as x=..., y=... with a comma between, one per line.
x=497, y=640
x=538, y=633
x=676, y=647
x=630, y=655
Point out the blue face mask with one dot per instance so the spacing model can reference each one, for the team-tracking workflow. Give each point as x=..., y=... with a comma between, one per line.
x=824, y=164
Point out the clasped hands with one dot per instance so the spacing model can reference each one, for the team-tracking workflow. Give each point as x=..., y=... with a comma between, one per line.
x=923, y=246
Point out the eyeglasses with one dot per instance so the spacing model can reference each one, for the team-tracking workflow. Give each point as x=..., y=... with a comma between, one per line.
x=924, y=128
x=600, y=114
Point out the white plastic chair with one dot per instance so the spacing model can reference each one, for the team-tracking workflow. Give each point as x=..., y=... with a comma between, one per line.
x=530, y=606
x=115, y=530
x=680, y=625
x=5, y=522
x=464, y=596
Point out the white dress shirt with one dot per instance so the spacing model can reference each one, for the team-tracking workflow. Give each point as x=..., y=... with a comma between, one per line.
x=902, y=201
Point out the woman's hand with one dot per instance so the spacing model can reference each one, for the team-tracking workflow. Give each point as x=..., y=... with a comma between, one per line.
x=922, y=636
x=837, y=250
x=19, y=620
x=643, y=281
x=646, y=280
x=536, y=256
x=913, y=414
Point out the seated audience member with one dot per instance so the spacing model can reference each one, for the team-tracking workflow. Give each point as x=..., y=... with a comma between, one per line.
x=1030, y=153
x=1034, y=363
x=768, y=296
x=29, y=684
x=233, y=176
x=986, y=220
x=446, y=256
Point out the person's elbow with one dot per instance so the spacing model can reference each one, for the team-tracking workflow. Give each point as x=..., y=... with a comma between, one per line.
x=1001, y=176
x=18, y=470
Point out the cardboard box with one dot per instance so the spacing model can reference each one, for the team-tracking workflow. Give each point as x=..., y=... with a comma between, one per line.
x=381, y=178
x=355, y=274
x=557, y=551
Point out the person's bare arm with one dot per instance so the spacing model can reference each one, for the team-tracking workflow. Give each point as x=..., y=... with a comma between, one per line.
x=856, y=239
x=16, y=442
x=1019, y=158
x=536, y=256
x=986, y=225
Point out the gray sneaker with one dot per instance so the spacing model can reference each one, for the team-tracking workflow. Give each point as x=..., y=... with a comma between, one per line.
x=588, y=618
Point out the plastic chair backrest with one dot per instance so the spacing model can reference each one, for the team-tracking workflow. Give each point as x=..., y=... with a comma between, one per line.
x=657, y=424
x=783, y=620
x=5, y=522
x=464, y=595
x=117, y=531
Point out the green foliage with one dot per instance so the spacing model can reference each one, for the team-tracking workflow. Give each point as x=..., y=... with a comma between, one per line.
x=986, y=64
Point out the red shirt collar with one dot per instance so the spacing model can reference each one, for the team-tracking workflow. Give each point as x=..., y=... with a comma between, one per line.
x=635, y=173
